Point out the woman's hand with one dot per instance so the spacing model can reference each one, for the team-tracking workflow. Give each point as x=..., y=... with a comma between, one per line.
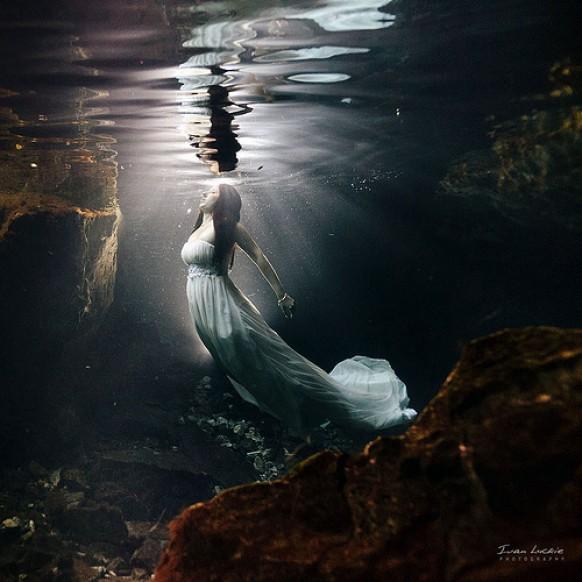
x=287, y=305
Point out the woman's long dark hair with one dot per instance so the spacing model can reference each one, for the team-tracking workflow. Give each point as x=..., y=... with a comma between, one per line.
x=225, y=215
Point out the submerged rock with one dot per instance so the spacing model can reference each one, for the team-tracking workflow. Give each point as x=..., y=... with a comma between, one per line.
x=249, y=439
x=531, y=173
x=492, y=463
x=95, y=523
x=148, y=554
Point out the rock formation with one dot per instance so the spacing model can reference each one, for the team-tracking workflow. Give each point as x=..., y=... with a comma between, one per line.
x=486, y=485
x=531, y=172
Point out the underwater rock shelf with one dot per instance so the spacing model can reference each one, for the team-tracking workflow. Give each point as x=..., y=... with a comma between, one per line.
x=492, y=463
x=103, y=513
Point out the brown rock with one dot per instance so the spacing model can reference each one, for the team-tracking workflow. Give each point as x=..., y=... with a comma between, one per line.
x=74, y=480
x=76, y=570
x=61, y=500
x=95, y=523
x=148, y=554
x=165, y=483
x=494, y=459
x=119, y=566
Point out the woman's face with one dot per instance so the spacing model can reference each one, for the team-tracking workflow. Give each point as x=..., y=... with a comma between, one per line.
x=209, y=199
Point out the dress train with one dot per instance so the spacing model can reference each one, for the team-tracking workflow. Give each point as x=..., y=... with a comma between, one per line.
x=359, y=393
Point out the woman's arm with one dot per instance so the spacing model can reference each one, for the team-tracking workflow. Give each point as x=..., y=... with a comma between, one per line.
x=246, y=242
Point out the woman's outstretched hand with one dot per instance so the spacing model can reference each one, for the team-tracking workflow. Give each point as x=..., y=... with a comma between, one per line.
x=287, y=305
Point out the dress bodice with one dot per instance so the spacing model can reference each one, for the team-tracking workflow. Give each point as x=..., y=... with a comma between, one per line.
x=198, y=255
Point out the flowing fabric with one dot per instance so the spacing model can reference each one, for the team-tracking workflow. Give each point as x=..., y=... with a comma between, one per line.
x=361, y=393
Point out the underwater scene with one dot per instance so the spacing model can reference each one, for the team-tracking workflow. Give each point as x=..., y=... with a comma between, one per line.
x=290, y=290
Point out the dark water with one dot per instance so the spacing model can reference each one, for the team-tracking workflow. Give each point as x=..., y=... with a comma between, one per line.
x=412, y=169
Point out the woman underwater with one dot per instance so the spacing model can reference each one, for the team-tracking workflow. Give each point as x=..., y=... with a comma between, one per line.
x=359, y=393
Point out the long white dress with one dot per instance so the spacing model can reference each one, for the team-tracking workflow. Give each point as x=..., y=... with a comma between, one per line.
x=359, y=393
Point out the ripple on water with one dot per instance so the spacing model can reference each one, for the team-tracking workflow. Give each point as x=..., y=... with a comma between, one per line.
x=346, y=15
x=305, y=54
x=264, y=57
x=319, y=78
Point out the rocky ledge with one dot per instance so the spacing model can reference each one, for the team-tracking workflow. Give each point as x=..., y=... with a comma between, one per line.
x=486, y=485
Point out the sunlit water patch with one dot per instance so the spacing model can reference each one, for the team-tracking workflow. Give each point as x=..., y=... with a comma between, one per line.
x=346, y=15
x=306, y=54
x=319, y=77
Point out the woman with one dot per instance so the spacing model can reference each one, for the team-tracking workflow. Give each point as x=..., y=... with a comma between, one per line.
x=360, y=393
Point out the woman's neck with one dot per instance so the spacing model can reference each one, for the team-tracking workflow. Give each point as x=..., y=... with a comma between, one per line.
x=206, y=218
